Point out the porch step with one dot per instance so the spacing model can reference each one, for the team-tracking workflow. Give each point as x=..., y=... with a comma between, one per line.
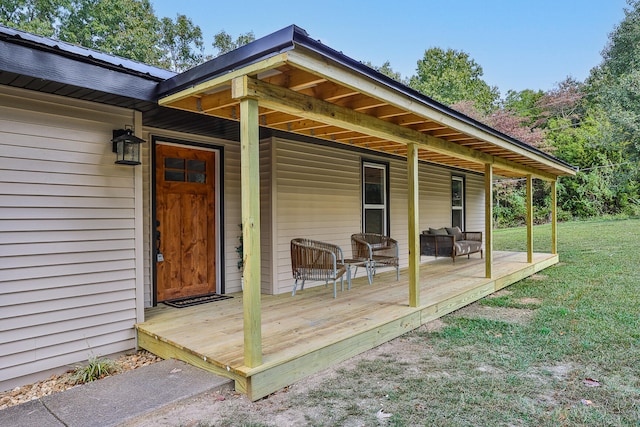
x=114, y=400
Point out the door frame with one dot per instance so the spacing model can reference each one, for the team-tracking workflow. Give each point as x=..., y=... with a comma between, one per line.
x=218, y=211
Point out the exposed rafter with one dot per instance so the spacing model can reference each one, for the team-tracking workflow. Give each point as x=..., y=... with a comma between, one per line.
x=294, y=103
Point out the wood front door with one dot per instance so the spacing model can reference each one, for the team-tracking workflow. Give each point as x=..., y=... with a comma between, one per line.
x=185, y=220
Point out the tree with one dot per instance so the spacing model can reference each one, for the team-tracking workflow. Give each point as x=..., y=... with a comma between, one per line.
x=387, y=71
x=507, y=122
x=564, y=101
x=616, y=83
x=182, y=43
x=621, y=54
x=127, y=28
x=223, y=42
x=613, y=100
x=451, y=76
x=34, y=16
x=524, y=104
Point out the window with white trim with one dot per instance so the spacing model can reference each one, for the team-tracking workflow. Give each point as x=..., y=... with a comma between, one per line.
x=374, y=198
x=457, y=202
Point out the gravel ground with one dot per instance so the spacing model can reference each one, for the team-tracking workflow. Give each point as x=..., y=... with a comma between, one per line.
x=62, y=382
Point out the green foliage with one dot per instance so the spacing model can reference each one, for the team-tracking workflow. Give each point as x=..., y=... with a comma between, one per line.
x=621, y=55
x=34, y=16
x=524, y=104
x=387, y=71
x=614, y=92
x=451, y=76
x=224, y=43
x=182, y=42
x=127, y=28
x=240, y=249
x=510, y=203
x=95, y=370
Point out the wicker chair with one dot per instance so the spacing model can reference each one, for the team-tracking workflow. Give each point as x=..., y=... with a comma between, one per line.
x=314, y=260
x=376, y=250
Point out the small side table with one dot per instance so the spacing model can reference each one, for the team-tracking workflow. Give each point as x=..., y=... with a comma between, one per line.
x=357, y=263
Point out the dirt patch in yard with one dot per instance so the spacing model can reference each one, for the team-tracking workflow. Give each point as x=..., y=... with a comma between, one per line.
x=529, y=301
x=518, y=316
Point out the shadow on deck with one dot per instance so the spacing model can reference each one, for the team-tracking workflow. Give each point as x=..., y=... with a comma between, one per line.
x=311, y=331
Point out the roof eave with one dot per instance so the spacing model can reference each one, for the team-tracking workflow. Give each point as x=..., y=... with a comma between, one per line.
x=256, y=51
x=369, y=72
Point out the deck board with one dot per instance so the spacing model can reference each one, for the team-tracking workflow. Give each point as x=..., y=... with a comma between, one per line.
x=308, y=332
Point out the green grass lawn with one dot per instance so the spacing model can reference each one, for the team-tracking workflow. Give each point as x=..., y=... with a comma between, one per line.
x=584, y=325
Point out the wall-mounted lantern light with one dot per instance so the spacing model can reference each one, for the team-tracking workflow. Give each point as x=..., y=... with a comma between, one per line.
x=127, y=145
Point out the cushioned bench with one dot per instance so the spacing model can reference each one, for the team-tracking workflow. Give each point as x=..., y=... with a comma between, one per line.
x=450, y=242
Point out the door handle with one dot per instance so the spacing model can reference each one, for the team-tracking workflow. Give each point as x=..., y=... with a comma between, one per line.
x=159, y=256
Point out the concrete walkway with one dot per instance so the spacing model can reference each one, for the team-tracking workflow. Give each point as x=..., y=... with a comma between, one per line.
x=114, y=400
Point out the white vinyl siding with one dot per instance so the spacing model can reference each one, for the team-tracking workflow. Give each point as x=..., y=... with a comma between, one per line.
x=148, y=225
x=233, y=216
x=399, y=191
x=317, y=191
x=67, y=235
x=266, y=223
x=474, y=204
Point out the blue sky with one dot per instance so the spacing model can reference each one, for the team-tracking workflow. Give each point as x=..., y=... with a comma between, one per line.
x=520, y=44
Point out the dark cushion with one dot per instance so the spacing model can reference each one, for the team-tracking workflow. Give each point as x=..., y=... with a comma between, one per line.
x=455, y=231
x=438, y=231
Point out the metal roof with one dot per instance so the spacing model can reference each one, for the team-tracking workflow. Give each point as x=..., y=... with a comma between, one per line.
x=50, y=66
x=79, y=52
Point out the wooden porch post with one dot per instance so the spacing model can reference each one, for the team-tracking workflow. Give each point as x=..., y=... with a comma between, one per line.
x=250, y=184
x=488, y=219
x=554, y=218
x=529, y=219
x=414, y=226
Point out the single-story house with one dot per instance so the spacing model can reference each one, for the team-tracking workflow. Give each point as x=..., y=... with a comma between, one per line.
x=282, y=138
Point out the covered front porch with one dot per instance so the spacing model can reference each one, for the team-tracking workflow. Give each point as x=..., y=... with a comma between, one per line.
x=311, y=331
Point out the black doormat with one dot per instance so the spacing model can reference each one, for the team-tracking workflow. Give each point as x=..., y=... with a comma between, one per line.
x=199, y=299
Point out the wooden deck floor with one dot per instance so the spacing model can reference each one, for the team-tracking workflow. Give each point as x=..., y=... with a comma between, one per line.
x=311, y=331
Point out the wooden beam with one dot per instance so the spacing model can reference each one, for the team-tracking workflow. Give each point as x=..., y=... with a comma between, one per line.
x=360, y=102
x=296, y=79
x=414, y=225
x=292, y=102
x=529, y=219
x=330, y=91
x=389, y=111
x=250, y=195
x=488, y=220
x=288, y=101
x=315, y=63
x=512, y=166
x=251, y=69
x=554, y=218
